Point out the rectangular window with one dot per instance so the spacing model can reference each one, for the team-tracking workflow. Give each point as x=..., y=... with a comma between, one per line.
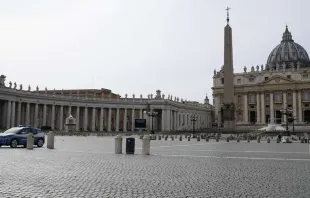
x=251, y=79
x=251, y=99
x=222, y=79
x=289, y=97
x=306, y=96
x=278, y=97
x=266, y=78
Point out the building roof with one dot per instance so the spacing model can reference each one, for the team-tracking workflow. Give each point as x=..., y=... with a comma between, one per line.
x=288, y=52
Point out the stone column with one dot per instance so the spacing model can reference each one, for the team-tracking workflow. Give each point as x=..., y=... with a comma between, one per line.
x=44, y=115
x=300, y=120
x=8, y=116
x=263, y=120
x=19, y=112
x=27, y=114
x=85, y=119
x=61, y=117
x=93, y=120
x=141, y=113
x=258, y=121
x=53, y=117
x=36, y=111
x=271, y=109
x=109, y=119
x=117, y=120
x=163, y=117
x=69, y=110
x=77, y=126
x=177, y=120
x=168, y=113
x=294, y=104
x=101, y=119
x=13, y=115
x=284, y=106
x=245, y=109
x=125, y=120
x=133, y=119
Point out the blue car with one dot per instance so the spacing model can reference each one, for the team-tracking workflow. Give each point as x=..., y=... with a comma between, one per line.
x=18, y=136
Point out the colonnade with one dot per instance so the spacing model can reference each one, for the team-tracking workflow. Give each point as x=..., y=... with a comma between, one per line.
x=94, y=118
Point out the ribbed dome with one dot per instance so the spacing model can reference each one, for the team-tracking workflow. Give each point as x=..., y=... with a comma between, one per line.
x=288, y=52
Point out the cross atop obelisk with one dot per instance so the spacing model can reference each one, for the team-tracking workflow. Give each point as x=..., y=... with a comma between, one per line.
x=227, y=19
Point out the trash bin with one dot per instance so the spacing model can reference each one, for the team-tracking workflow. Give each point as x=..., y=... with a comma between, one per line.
x=130, y=145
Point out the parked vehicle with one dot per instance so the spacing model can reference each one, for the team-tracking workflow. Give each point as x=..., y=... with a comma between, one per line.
x=16, y=136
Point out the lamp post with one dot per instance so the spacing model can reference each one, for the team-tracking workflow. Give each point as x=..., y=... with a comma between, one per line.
x=292, y=119
x=193, y=119
x=152, y=113
x=286, y=111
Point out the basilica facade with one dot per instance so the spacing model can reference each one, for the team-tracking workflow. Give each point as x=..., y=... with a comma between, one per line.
x=100, y=111
x=263, y=92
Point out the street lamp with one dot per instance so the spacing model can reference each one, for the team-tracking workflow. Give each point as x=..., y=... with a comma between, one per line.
x=193, y=119
x=292, y=119
x=152, y=113
x=286, y=111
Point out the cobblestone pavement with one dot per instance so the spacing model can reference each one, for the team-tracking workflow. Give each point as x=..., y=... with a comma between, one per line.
x=88, y=167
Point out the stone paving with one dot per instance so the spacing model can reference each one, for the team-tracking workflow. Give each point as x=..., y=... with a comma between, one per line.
x=87, y=167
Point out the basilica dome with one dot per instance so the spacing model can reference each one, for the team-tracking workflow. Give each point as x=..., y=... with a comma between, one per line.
x=288, y=52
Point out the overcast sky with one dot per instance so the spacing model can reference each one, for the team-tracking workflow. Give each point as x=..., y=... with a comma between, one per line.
x=139, y=46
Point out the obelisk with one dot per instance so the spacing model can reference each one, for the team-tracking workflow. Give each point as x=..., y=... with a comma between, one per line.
x=228, y=108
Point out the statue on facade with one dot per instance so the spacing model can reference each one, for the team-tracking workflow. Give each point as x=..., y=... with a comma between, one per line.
x=10, y=84
x=244, y=69
x=158, y=94
x=45, y=90
x=133, y=95
x=126, y=95
x=141, y=96
x=20, y=87
x=15, y=85
x=262, y=67
x=257, y=68
x=163, y=96
x=168, y=97
x=2, y=80
x=252, y=69
x=214, y=72
x=151, y=96
x=54, y=92
x=37, y=88
x=29, y=88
